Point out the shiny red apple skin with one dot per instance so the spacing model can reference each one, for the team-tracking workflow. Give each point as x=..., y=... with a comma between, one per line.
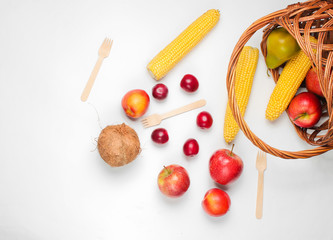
x=312, y=82
x=135, y=103
x=160, y=136
x=160, y=91
x=305, y=110
x=173, y=181
x=189, y=83
x=191, y=147
x=204, y=120
x=225, y=166
x=216, y=202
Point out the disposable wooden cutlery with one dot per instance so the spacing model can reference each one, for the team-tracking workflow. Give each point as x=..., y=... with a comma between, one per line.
x=156, y=119
x=261, y=165
x=103, y=52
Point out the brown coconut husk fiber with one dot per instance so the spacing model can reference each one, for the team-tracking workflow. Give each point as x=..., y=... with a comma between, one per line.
x=118, y=145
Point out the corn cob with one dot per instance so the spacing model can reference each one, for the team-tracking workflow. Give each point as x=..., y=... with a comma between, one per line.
x=245, y=70
x=288, y=83
x=165, y=60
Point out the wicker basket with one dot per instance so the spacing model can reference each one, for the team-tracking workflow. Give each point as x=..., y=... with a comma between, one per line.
x=301, y=20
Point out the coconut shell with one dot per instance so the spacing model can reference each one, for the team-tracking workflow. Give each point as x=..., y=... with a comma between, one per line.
x=118, y=145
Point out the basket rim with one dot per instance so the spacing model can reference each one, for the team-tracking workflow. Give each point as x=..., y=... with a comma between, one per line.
x=271, y=21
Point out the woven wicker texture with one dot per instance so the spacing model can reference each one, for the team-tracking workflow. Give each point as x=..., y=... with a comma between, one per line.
x=301, y=20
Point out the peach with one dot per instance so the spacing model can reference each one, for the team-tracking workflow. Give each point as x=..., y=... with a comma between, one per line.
x=135, y=103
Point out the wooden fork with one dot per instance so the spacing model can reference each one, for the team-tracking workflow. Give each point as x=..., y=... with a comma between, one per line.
x=103, y=52
x=261, y=165
x=156, y=119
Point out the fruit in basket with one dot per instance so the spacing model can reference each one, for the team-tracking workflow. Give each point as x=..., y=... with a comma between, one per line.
x=281, y=46
x=245, y=70
x=173, y=180
x=165, y=60
x=189, y=83
x=305, y=110
x=288, y=83
x=225, y=166
x=118, y=145
x=204, y=120
x=191, y=147
x=135, y=103
x=160, y=91
x=160, y=135
x=312, y=82
x=216, y=202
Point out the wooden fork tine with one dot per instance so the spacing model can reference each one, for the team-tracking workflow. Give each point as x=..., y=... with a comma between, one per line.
x=258, y=158
x=109, y=42
x=262, y=156
x=105, y=41
x=144, y=120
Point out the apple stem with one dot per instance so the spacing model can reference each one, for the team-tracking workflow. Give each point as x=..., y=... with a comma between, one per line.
x=299, y=116
x=232, y=148
x=168, y=170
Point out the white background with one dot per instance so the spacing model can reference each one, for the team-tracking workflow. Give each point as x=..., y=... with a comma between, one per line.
x=54, y=185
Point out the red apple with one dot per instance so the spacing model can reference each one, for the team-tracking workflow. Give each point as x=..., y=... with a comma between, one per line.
x=189, y=83
x=191, y=147
x=204, y=120
x=216, y=202
x=312, y=82
x=135, y=103
x=305, y=110
x=160, y=91
x=225, y=166
x=173, y=180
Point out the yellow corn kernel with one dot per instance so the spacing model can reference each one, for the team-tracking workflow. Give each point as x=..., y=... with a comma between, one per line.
x=165, y=60
x=288, y=83
x=245, y=70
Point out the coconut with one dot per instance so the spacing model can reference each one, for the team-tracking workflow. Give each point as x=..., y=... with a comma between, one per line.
x=118, y=145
